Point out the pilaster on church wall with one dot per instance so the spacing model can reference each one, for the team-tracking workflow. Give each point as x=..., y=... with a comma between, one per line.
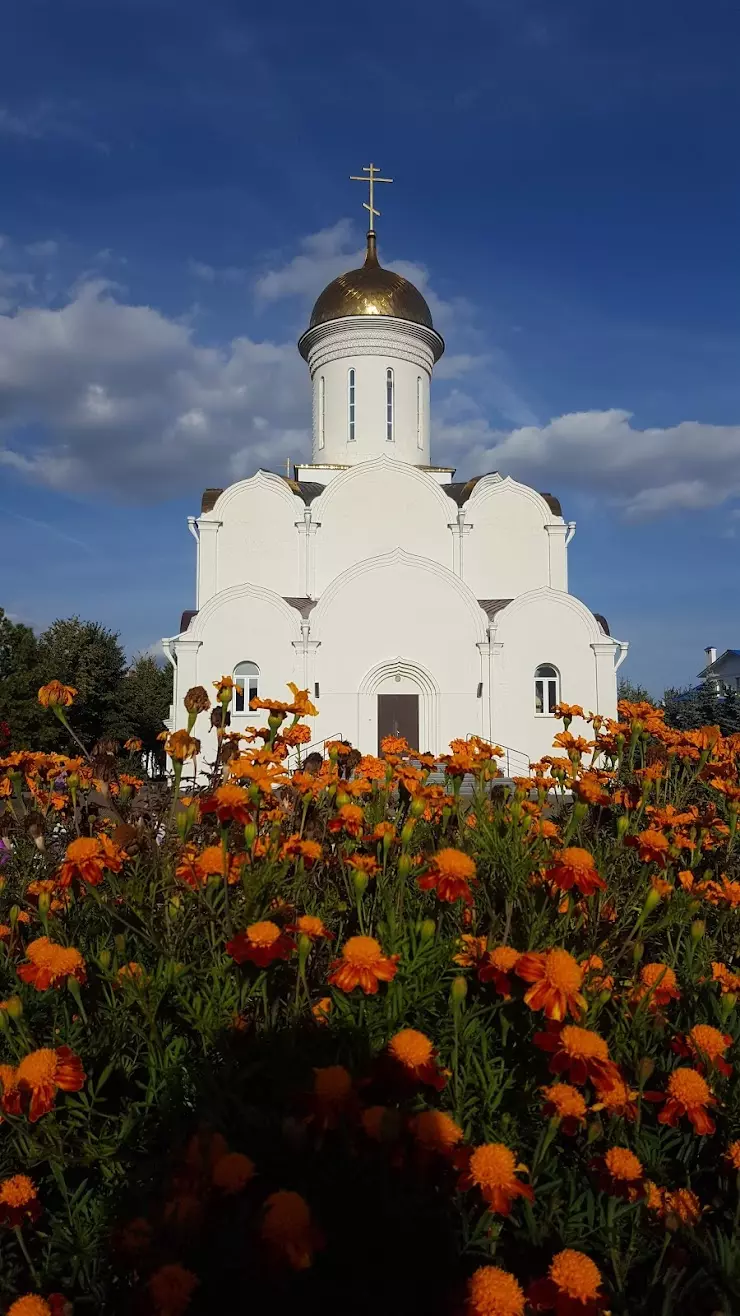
x=207, y=559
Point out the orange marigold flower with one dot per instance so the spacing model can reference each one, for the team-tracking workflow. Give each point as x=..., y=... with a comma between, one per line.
x=131, y=972
x=594, y=980
x=658, y=983
x=653, y=1196
x=232, y=1172
x=580, y=1053
x=296, y=848
x=181, y=746
x=171, y=1288
x=573, y=1286
x=416, y=1055
x=652, y=846
x=332, y=1093
x=566, y=1104
x=349, y=818
x=732, y=1155
x=557, y=980
x=33, y=1305
x=288, y=1231
x=618, y=1099
x=450, y=873
x=492, y=1169
x=363, y=964
x=681, y=1207
x=435, y=1130
x=56, y=695
x=299, y=734
x=622, y=1173
x=494, y=1292
x=195, y=869
x=381, y=1123
x=363, y=863
x=321, y=1009
x=311, y=926
x=51, y=965
x=18, y=1200
x=11, y=1097
x=260, y=943
x=497, y=966
x=729, y=981
x=707, y=1045
x=230, y=803
x=382, y=831
x=575, y=867
x=42, y=1073
x=473, y=951
x=688, y=1094
x=88, y=857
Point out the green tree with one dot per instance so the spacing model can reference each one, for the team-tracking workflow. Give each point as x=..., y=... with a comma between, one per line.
x=702, y=706
x=636, y=694
x=145, y=697
x=89, y=657
x=19, y=683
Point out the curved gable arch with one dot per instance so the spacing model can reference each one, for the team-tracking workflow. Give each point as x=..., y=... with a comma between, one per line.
x=488, y=488
x=387, y=561
x=265, y=480
x=340, y=483
x=566, y=601
x=236, y=593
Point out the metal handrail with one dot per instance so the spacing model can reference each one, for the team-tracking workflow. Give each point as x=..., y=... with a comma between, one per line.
x=508, y=751
x=301, y=752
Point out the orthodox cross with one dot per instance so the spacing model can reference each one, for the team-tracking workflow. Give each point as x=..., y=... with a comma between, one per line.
x=370, y=175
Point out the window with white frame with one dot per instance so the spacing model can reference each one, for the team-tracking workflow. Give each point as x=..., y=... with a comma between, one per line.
x=389, y=405
x=419, y=413
x=351, y=391
x=546, y=689
x=246, y=685
x=322, y=411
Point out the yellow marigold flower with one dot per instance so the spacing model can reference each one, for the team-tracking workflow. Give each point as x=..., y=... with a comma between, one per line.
x=494, y=1292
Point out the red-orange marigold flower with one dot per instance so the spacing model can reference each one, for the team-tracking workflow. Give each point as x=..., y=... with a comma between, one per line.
x=88, y=857
x=171, y=1289
x=288, y=1231
x=652, y=846
x=573, y=1286
x=497, y=966
x=707, y=1046
x=658, y=982
x=494, y=1292
x=56, y=695
x=557, y=980
x=295, y=847
x=332, y=1093
x=435, y=1130
x=575, y=867
x=492, y=1169
x=18, y=1200
x=363, y=964
x=688, y=1094
x=350, y=818
x=580, y=1053
x=260, y=943
x=472, y=951
x=681, y=1207
x=33, y=1305
x=450, y=873
x=42, y=1073
x=414, y=1052
x=229, y=802
x=621, y=1173
x=311, y=926
x=51, y=965
x=232, y=1172
x=566, y=1104
x=732, y=1155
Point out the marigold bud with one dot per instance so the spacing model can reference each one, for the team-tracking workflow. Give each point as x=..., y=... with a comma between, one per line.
x=458, y=990
x=13, y=916
x=638, y=951
x=14, y=1007
x=417, y=807
x=729, y=1001
x=119, y=941
x=360, y=882
x=579, y=811
x=404, y=865
x=645, y=1069
x=342, y=798
x=623, y=823
x=595, y=1130
x=427, y=929
x=250, y=834
x=651, y=900
x=407, y=831
x=698, y=928
x=104, y=959
x=44, y=904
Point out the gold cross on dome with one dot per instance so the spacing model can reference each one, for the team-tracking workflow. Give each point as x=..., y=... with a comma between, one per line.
x=370, y=175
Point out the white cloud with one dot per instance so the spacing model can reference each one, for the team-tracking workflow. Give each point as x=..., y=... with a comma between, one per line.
x=126, y=401
x=688, y=466
x=323, y=256
x=43, y=250
x=216, y=274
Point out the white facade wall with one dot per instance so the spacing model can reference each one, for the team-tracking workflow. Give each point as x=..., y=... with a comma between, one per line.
x=253, y=528
x=507, y=549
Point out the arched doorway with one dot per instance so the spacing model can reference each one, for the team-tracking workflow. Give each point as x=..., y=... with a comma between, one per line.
x=399, y=697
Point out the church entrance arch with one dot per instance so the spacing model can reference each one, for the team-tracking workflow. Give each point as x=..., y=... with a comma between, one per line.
x=403, y=694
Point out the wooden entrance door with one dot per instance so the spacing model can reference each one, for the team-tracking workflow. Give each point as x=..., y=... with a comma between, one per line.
x=398, y=715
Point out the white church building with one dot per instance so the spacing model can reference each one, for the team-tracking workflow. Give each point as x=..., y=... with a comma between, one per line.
x=402, y=599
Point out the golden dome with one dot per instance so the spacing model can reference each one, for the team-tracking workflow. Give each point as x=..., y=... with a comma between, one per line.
x=371, y=290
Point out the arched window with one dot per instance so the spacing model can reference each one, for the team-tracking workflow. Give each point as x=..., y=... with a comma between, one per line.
x=322, y=411
x=419, y=415
x=351, y=406
x=246, y=685
x=546, y=689
x=389, y=405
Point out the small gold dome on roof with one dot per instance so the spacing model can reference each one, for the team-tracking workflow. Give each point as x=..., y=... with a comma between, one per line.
x=371, y=290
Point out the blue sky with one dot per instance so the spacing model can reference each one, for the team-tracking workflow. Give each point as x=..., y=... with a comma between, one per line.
x=175, y=194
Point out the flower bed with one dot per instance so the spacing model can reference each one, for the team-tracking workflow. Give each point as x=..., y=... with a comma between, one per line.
x=345, y=1039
